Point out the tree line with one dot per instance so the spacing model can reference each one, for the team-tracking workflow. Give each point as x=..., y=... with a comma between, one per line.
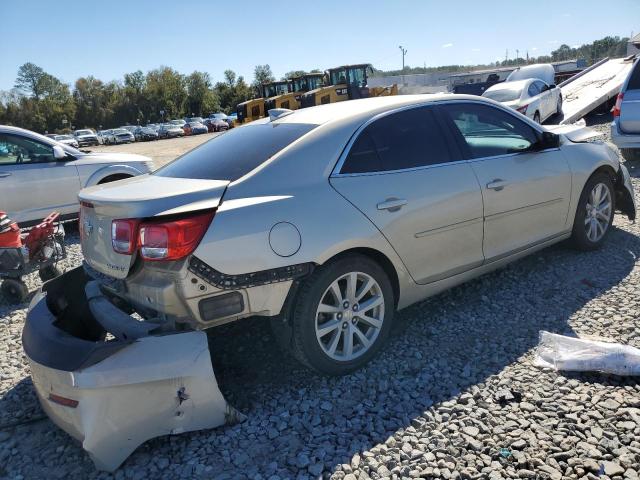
x=43, y=103
x=591, y=52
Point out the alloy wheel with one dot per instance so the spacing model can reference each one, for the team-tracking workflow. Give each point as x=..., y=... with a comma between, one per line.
x=598, y=212
x=349, y=316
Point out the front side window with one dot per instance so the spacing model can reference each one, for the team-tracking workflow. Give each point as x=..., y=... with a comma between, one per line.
x=489, y=131
x=407, y=139
x=15, y=149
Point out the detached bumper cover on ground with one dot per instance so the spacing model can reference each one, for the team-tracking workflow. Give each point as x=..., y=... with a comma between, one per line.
x=113, y=396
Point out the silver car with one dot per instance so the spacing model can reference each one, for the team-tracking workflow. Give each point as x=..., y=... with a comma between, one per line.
x=39, y=174
x=625, y=129
x=326, y=220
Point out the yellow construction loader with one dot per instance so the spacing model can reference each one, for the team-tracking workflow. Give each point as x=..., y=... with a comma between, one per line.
x=298, y=86
x=347, y=82
x=255, y=108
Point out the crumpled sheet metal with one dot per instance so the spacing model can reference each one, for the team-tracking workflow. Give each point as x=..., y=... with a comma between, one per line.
x=156, y=386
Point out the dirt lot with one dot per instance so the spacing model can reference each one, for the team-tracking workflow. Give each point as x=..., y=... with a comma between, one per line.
x=162, y=151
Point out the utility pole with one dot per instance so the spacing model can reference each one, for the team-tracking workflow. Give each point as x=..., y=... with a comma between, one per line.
x=517, y=56
x=506, y=56
x=404, y=52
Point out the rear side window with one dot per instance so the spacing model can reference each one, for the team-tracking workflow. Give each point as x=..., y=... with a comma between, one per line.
x=634, y=80
x=235, y=153
x=407, y=139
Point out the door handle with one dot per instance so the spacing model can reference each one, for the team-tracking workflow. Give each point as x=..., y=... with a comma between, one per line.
x=496, y=184
x=4, y=174
x=392, y=204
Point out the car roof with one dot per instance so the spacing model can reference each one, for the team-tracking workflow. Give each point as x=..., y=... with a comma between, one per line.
x=366, y=107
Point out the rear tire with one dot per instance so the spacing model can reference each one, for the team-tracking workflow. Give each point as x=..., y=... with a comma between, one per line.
x=594, y=214
x=631, y=154
x=14, y=290
x=536, y=117
x=342, y=315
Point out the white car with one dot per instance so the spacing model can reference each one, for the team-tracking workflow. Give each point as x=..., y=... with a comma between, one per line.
x=531, y=97
x=66, y=139
x=121, y=135
x=39, y=175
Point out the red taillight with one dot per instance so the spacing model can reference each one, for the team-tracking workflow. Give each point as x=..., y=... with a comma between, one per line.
x=123, y=235
x=618, y=105
x=523, y=109
x=172, y=240
x=65, y=402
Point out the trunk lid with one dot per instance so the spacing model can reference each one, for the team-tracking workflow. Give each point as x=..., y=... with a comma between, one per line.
x=139, y=197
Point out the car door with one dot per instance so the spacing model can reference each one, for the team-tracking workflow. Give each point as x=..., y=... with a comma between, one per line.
x=406, y=174
x=32, y=182
x=525, y=191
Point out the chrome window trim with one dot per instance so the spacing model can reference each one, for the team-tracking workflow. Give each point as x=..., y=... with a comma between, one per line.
x=335, y=173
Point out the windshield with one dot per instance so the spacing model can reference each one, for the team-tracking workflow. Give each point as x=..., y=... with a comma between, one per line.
x=236, y=153
x=304, y=84
x=276, y=89
x=339, y=76
x=64, y=137
x=120, y=130
x=220, y=116
x=503, y=94
x=358, y=76
x=84, y=132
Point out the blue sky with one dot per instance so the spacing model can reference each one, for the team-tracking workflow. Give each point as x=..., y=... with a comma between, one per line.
x=107, y=39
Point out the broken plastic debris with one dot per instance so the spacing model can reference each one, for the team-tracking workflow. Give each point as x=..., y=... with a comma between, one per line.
x=505, y=453
x=586, y=355
x=158, y=385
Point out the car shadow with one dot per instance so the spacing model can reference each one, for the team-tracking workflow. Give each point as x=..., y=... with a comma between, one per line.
x=430, y=358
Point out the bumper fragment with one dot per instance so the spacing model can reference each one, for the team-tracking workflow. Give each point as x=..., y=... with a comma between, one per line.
x=114, y=401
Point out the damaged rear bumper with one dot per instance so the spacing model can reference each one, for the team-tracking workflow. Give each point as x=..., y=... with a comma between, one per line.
x=114, y=395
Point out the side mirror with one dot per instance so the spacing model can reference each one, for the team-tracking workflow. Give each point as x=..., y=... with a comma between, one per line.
x=548, y=140
x=58, y=153
x=553, y=85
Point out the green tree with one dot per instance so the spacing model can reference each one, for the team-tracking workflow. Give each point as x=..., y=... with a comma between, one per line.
x=262, y=74
x=29, y=79
x=201, y=99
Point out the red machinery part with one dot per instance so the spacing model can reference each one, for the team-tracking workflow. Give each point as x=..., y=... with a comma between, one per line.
x=38, y=235
x=9, y=232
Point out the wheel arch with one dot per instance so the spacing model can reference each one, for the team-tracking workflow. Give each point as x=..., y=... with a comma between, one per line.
x=381, y=259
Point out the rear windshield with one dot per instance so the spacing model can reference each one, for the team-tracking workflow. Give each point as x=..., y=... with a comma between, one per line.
x=503, y=95
x=235, y=153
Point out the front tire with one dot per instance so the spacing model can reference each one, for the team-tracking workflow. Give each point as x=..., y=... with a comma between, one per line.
x=594, y=214
x=342, y=315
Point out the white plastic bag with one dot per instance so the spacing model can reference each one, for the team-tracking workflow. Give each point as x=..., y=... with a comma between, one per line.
x=583, y=355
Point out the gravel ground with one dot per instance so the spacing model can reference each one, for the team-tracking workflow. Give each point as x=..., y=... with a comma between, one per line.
x=453, y=395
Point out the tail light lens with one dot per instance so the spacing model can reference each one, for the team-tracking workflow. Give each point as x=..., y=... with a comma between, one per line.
x=618, y=105
x=172, y=240
x=123, y=235
x=523, y=109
